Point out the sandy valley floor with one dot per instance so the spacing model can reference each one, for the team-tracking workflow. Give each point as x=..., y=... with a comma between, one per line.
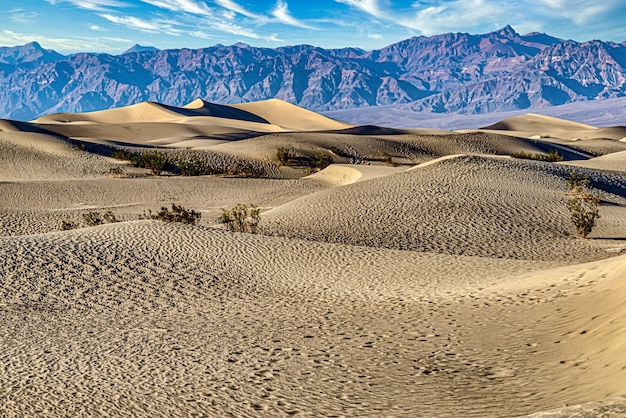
x=449, y=284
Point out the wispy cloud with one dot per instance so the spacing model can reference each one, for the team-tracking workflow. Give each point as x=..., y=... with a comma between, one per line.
x=281, y=13
x=370, y=7
x=21, y=16
x=97, y=28
x=186, y=6
x=95, y=5
x=8, y=37
x=234, y=7
x=152, y=26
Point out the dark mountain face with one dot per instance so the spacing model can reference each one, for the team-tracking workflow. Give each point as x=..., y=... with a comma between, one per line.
x=453, y=72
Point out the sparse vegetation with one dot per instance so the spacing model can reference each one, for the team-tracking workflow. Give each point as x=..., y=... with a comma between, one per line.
x=155, y=161
x=285, y=155
x=387, y=158
x=583, y=203
x=90, y=219
x=321, y=160
x=552, y=156
x=117, y=172
x=194, y=166
x=241, y=218
x=177, y=214
x=67, y=224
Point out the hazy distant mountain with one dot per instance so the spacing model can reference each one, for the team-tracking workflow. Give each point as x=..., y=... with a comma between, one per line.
x=139, y=48
x=29, y=53
x=454, y=72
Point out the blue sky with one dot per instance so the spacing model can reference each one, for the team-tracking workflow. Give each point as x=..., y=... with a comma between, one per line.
x=114, y=25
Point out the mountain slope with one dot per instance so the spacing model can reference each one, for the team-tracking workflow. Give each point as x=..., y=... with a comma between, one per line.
x=454, y=72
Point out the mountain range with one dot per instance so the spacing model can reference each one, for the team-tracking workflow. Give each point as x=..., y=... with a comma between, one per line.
x=453, y=72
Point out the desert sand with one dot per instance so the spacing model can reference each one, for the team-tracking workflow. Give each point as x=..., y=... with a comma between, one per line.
x=423, y=273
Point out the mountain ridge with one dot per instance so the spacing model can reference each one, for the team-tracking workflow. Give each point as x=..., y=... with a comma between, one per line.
x=447, y=73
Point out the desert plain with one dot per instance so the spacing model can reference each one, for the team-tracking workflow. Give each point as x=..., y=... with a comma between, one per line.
x=423, y=273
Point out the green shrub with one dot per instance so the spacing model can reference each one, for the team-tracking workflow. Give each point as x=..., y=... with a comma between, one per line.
x=387, y=158
x=551, y=156
x=124, y=155
x=67, y=224
x=155, y=161
x=194, y=166
x=241, y=218
x=321, y=160
x=95, y=219
x=178, y=214
x=285, y=155
x=583, y=203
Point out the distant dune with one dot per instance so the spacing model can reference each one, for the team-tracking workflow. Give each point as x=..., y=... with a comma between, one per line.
x=395, y=273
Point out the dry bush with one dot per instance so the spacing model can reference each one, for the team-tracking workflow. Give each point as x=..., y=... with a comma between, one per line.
x=583, y=203
x=241, y=218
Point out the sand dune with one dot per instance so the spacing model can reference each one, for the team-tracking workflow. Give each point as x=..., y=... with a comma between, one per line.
x=450, y=285
x=291, y=117
x=539, y=123
x=32, y=156
x=343, y=174
x=546, y=127
x=614, y=161
x=466, y=206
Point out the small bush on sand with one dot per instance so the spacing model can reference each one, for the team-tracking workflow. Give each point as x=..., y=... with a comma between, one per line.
x=95, y=219
x=285, y=155
x=155, y=161
x=552, y=156
x=583, y=203
x=90, y=219
x=117, y=172
x=178, y=214
x=321, y=160
x=241, y=218
x=387, y=158
x=67, y=224
x=194, y=166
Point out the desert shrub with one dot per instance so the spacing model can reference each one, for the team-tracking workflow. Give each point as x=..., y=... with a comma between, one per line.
x=95, y=219
x=285, y=155
x=241, y=218
x=124, y=155
x=178, y=214
x=245, y=169
x=194, y=166
x=321, y=160
x=551, y=156
x=387, y=158
x=92, y=219
x=67, y=224
x=583, y=203
x=155, y=161
x=117, y=172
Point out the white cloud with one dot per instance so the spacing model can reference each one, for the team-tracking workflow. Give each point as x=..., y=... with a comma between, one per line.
x=368, y=6
x=154, y=26
x=67, y=45
x=187, y=6
x=458, y=15
x=21, y=16
x=97, y=28
x=96, y=5
x=232, y=6
x=376, y=36
x=281, y=13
